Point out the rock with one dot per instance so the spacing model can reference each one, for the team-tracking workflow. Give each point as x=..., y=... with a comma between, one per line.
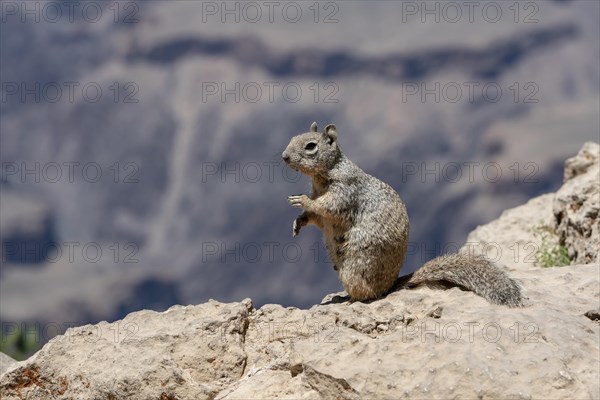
x=420, y=343
x=185, y=352
x=5, y=362
x=584, y=160
x=577, y=204
x=511, y=240
x=570, y=214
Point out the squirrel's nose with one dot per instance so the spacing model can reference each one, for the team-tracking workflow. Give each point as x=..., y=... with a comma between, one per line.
x=285, y=156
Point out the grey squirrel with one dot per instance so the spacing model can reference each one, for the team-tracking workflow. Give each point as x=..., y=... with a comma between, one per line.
x=365, y=225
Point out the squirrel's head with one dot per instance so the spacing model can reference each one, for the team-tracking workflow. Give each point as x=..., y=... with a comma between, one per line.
x=313, y=153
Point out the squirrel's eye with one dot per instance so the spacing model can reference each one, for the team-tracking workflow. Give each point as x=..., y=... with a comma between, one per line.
x=310, y=146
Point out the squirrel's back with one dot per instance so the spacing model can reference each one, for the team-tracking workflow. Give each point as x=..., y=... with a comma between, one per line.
x=370, y=253
x=367, y=234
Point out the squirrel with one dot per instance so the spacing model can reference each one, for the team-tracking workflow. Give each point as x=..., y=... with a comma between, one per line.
x=365, y=227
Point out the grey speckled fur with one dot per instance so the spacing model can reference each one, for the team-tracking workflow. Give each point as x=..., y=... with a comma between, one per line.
x=365, y=225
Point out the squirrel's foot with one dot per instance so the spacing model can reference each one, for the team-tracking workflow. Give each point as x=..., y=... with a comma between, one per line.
x=300, y=201
x=336, y=298
x=299, y=222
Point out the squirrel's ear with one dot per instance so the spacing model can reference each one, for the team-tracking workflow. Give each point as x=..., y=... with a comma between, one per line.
x=331, y=132
x=313, y=127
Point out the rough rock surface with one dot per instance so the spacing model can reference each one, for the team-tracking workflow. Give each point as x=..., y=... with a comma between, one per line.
x=418, y=343
x=5, y=362
x=511, y=240
x=577, y=205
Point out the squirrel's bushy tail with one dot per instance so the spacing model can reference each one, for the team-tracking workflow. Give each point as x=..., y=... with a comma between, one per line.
x=469, y=272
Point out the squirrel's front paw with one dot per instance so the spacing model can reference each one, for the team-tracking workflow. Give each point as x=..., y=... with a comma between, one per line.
x=299, y=201
x=299, y=222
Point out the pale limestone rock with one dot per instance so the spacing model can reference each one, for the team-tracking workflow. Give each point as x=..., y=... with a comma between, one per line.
x=511, y=240
x=419, y=343
x=5, y=362
x=577, y=205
